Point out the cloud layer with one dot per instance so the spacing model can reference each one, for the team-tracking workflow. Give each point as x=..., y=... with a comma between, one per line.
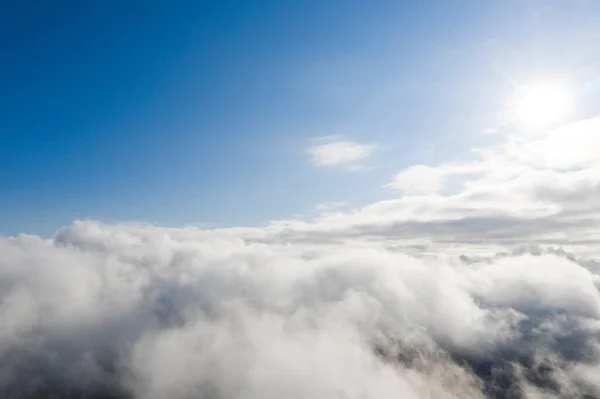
x=460, y=288
x=132, y=311
x=528, y=188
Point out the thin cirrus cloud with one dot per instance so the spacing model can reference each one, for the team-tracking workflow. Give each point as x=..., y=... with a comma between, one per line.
x=335, y=151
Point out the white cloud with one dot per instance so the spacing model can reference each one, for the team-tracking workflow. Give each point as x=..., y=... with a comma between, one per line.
x=423, y=179
x=425, y=295
x=573, y=145
x=148, y=312
x=330, y=206
x=543, y=188
x=419, y=179
x=334, y=151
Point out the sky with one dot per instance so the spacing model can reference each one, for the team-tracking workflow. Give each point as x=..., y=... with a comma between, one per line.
x=225, y=114
x=313, y=199
x=209, y=113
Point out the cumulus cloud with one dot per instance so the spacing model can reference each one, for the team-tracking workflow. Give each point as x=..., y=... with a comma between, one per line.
x=335, y=151
x=138, y=311
x=462, y=289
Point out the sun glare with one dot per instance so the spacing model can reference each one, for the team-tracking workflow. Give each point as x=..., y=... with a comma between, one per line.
x=541, y=104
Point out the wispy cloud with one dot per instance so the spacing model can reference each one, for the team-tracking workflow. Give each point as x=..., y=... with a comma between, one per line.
x=336, y=151
x=423, y=179
x=330, y=206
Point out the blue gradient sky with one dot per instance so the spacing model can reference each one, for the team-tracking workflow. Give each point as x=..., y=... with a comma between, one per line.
x=201, y=112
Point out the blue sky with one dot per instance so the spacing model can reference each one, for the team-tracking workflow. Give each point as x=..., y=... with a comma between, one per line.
x=204, y=113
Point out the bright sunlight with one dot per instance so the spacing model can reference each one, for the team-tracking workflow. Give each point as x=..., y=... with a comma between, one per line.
x=541, y=104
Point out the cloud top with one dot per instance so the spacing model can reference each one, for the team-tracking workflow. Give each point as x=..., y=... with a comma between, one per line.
x=133, y=311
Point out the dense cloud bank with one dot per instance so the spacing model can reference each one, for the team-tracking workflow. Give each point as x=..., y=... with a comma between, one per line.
x=128, y=311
